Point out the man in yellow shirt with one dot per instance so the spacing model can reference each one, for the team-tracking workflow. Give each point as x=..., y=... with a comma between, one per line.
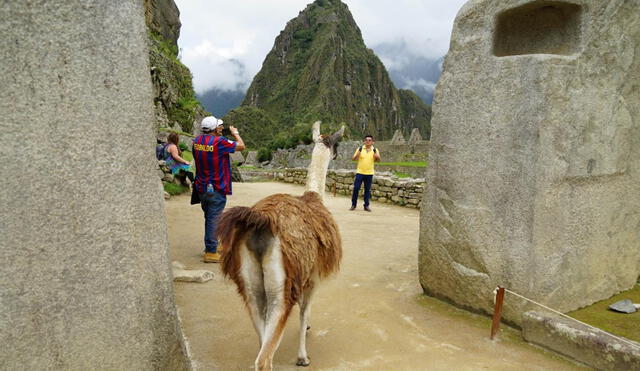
x=366, y=155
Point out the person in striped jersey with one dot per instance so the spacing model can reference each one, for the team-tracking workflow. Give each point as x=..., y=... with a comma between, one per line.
x=213, y=177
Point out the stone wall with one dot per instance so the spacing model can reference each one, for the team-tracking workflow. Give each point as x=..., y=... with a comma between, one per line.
x=390, y=152
x=86, y=282
x=385, y=188
x=534, y=174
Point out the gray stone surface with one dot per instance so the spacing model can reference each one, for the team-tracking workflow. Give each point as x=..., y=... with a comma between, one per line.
x=163, y=17
x=252, y=158
x=398, y=138
x=76, y=92
x=182, y=274
x=534, y=166
x=192, y=275
x=623, y=306
x=582, y=343
x=415, y=136
x=237, y=158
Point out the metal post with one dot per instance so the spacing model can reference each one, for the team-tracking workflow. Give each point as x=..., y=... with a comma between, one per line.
x=497, y=311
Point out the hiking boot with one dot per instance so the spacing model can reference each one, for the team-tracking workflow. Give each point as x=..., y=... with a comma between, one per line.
x=366, y=208
x=352, y=208
x=211, y=257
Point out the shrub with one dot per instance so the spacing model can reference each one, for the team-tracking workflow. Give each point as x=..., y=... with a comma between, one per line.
x=264, y=154
x=175, y=189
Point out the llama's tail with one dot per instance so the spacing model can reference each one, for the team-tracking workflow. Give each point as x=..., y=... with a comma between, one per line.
x=233, y=227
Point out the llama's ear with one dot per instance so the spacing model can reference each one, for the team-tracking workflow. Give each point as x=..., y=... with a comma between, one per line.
x=335, y=137
x=333, y=141
x=315, y=131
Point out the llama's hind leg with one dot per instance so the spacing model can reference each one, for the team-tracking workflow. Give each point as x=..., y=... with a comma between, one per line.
x=277, y=310
x=305, y=312
x=251, y=273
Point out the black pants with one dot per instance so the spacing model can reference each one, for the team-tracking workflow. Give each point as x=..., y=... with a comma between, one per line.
x=188, y=174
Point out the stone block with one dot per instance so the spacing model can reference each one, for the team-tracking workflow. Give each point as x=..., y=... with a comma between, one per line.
x=89, y=284
x=192, y=275
x=252, y=158
x=536, y=177
x=237, y=158
x=582, y=343
x=398, y=138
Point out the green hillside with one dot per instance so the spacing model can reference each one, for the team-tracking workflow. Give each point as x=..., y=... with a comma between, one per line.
x=320, y=69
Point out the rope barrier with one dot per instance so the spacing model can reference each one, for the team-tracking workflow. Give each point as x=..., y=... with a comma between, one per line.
x=632, y=344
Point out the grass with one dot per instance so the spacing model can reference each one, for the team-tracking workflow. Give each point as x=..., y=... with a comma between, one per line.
x=598, y=315
x=410, y=164
x=398, y=174
x=247, y=167
x=175, y=189
x=187, y=155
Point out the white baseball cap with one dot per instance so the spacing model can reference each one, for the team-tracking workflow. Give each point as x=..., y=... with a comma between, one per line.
x=210, y=123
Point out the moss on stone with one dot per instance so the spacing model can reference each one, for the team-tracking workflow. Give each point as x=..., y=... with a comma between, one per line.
x=598, y=315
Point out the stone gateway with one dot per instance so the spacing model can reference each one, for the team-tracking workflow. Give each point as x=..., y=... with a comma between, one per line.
x=534, y=178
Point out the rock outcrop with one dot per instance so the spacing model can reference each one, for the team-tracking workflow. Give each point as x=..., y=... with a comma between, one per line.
x=85, y=282
x=163, y=18
x=175, y=102
x=534, y=177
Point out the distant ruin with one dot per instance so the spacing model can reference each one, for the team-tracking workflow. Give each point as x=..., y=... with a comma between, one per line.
x=534, y=174
x=417, y=150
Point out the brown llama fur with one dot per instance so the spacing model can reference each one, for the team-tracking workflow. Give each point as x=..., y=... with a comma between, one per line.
x=276, y=252
x=316, y=244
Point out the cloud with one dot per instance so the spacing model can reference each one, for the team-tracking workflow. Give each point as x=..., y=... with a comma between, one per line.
x=419, y=83
x=217, y=66
x=225, y=42
x=424, y=26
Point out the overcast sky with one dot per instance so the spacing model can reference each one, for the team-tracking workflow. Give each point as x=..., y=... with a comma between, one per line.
x=225, y=42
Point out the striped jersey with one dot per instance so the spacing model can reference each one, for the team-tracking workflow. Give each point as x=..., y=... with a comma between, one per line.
x=213, y=166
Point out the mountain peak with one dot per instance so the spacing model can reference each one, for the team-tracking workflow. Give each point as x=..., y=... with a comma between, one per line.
x=320, y=69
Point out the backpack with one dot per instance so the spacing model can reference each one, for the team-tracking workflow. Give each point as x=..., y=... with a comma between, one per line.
x=160, y=150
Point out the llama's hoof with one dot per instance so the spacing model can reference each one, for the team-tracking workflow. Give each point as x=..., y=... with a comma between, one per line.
x=304, y=362
x=308, y=328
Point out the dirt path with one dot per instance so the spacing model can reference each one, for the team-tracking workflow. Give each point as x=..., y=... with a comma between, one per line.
x=372, y=316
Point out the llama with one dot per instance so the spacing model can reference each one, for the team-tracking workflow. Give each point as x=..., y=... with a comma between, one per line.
x=277, y=250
